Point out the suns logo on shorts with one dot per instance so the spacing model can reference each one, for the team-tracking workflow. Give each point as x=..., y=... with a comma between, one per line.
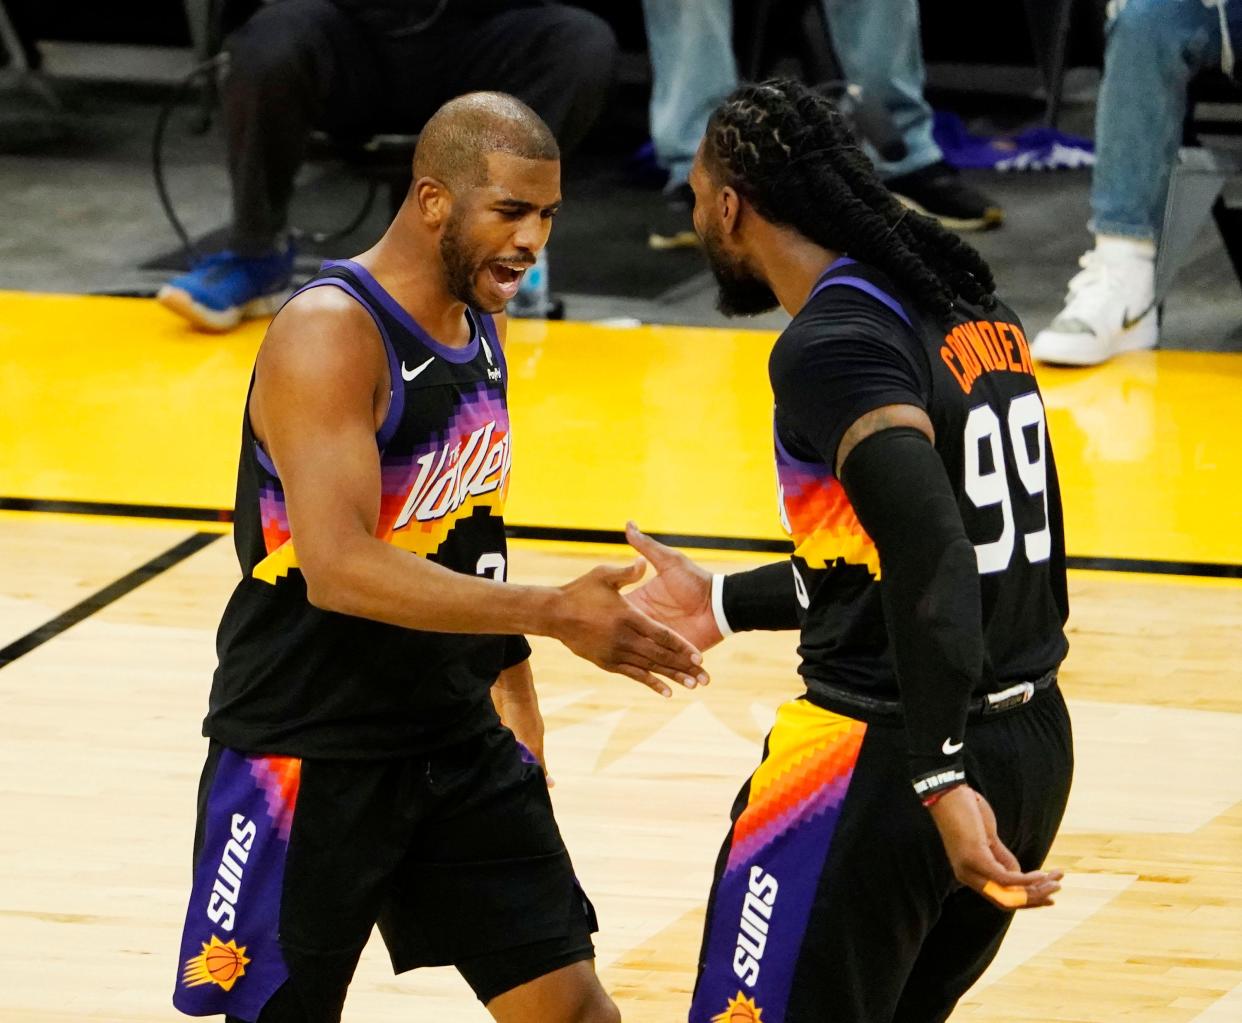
x=220, y=962
x=740, y=1010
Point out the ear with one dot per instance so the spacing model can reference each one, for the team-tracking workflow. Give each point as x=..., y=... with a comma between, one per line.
x=434, y=200
x=730, y=208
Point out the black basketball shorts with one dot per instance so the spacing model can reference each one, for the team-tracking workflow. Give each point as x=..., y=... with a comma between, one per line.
x=455, y=855
x=833, y=897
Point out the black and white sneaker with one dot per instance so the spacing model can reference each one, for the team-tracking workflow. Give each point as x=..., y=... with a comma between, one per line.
x=938, y=191
x=673, y=226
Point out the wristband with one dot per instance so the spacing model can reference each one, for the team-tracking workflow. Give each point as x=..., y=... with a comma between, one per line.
x=722, y=623
x=930, y=787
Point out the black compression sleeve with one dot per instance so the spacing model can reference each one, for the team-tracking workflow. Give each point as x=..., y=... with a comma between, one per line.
x=761, y=598
x=930, y=586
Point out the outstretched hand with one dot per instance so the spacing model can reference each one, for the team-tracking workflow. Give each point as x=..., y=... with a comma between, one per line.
x=595, y=622
x=980, y=859
x=680, y=593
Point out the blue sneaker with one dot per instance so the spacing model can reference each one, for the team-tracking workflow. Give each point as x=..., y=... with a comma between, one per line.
x=223, y=289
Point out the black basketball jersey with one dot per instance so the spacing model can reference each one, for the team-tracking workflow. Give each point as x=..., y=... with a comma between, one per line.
x=299, y=681
x=854, y=347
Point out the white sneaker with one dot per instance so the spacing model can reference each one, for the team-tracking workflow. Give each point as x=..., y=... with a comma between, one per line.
x=1110, y=308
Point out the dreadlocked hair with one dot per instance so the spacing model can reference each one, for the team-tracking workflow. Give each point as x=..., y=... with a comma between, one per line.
x=790, y=153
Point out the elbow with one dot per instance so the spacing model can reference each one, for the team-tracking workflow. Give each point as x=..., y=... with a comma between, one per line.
x=327, y=588
x=323, y=594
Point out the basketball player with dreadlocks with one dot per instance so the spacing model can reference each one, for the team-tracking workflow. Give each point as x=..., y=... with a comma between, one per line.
x=906, y=802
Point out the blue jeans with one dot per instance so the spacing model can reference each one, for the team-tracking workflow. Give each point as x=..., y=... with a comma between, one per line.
x=693, y=69
x=878, y=45
x=690, y=44
x=1154, y=48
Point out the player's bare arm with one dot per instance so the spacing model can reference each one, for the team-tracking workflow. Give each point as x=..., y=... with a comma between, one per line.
x=517, y=703
x=315, y=410
x=901, y=493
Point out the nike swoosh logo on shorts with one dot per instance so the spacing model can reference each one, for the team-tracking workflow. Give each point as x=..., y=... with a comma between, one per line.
x=410, y=374
x=950, y=747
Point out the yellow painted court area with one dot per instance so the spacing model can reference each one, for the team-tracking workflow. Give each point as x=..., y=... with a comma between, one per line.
x=112, y=399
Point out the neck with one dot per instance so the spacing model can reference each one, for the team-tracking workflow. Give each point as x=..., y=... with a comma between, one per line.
x=407, y=263
x=791, y=264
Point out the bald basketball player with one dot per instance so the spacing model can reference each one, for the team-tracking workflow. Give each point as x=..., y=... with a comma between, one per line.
x=358, y=772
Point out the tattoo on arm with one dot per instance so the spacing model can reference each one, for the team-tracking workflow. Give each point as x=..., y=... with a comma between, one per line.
x=884, y=418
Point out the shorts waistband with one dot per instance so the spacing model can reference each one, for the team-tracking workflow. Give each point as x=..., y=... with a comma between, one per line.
x=869, y=708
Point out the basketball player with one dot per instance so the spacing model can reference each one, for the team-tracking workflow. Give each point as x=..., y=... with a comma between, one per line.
x=358, y=773
x=906, y=802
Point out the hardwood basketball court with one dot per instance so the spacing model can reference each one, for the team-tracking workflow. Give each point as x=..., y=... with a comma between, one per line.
x=119, y=443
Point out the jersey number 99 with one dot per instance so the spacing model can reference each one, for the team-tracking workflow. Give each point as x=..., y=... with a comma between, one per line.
x=991, y=488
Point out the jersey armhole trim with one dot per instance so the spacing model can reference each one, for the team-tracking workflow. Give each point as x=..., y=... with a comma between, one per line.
x=398, y=312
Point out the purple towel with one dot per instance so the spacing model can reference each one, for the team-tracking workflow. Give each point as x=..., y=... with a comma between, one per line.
x=1034, y=149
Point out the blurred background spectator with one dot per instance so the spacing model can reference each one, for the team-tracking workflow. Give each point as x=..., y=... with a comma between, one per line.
x=1154, y=48
x=879, y=51
x=356, y=67
x=81, y=213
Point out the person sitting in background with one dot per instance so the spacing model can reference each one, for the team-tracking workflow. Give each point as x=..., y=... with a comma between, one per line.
x=878, y=47
x=1154, y=48
x=355, y=67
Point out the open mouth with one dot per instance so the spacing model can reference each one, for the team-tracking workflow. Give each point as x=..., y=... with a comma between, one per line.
x=507, y=276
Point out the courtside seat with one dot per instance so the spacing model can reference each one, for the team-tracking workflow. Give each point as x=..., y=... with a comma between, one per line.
x=1211, y=154
x=382, y=160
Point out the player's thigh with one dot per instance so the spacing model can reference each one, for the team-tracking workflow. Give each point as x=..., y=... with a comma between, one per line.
x=831, y=876
x=487, y=873
x=880, y=893
x=350, y=832
x=1039, y=741
x=1022, y=761
x=954, y=955
x=572, y=994
x=290, y=873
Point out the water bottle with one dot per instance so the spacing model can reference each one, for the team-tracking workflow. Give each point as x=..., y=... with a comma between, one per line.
x=532, y=300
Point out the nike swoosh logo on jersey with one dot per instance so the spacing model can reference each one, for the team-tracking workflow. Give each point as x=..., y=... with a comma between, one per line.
x=950, y=747
x=409, y=374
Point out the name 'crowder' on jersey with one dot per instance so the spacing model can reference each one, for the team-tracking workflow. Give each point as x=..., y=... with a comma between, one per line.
x=853, y=348
x=296, y=680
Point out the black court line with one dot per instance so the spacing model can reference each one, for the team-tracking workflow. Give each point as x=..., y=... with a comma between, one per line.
x=102, y=598
x=1143, y=566
x=179, y=513
x=1138, y=566
x=617, y=536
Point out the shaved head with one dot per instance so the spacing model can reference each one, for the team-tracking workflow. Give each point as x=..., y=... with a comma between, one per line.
x=454, y=145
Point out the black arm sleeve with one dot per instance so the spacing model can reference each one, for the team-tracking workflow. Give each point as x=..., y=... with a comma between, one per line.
x=761, y=598
x=517, y=650
x=930, y=587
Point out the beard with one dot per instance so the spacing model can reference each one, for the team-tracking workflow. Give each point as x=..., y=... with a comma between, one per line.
x=462, y=265
x=740, y=292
